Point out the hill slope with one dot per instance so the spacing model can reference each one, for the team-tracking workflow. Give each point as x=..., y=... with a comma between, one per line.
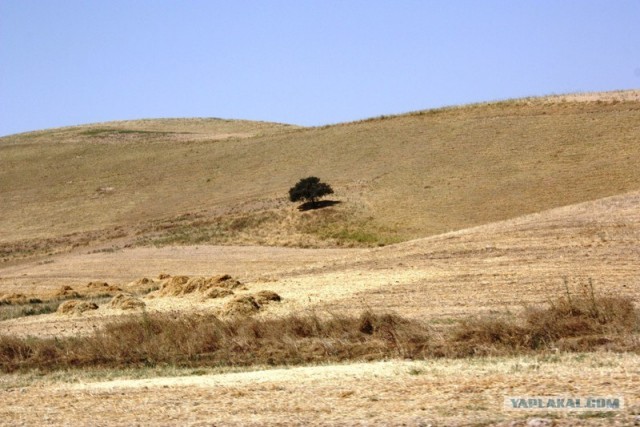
x=402, y=177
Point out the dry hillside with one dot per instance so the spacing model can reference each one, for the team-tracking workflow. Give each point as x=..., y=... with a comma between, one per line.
x=218, y=181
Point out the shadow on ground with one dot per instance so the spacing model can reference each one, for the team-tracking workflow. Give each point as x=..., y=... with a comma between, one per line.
x=317, y=205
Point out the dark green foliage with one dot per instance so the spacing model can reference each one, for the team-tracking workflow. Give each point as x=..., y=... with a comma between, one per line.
x=309, y=189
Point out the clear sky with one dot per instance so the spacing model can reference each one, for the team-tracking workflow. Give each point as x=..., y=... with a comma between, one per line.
x=306, y=62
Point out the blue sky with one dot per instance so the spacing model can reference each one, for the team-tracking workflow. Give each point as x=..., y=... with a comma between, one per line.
x=304, y=62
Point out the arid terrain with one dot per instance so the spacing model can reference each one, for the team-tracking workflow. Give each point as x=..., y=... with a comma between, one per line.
x=445, y=216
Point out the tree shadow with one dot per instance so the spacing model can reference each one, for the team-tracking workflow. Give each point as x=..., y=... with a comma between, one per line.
x=307, y=206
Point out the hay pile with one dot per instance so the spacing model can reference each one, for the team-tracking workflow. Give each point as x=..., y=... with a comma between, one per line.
x=247, y=305
x=126, y=302
x=145, y=281
x=75, y=306
x=66, y=292
x=184, y=285
x=240, y=306
x=265, y=297
x=217, y=293
x=98, y=287
x=144, y=285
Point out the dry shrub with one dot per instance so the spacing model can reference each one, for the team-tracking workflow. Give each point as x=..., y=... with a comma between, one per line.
x=242, y=305
x=584, y=322
x=579, y=324
x=163, y=276
x=183, y=285
x=486, y=336
x=191, y=340
x=265, y=297
x=126, y=302
x=76, y=307
x=227, y=282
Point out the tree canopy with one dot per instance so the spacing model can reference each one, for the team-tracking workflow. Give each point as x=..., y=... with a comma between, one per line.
x=310, y=189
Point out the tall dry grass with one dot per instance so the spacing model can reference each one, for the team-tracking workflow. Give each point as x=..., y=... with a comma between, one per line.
x=578, y=324
x=196, y=340
x=568, y=324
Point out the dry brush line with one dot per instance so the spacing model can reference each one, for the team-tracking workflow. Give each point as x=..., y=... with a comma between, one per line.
x=580, y=324
x=203, y=339
x=568, y=324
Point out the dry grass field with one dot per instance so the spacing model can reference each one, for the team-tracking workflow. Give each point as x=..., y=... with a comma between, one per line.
x=466, y=222
x=225, y=182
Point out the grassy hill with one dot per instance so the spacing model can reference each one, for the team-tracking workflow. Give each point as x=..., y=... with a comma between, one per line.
x=401, y=177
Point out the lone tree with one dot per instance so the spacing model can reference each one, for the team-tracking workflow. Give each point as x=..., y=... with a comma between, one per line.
x=310, y=189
